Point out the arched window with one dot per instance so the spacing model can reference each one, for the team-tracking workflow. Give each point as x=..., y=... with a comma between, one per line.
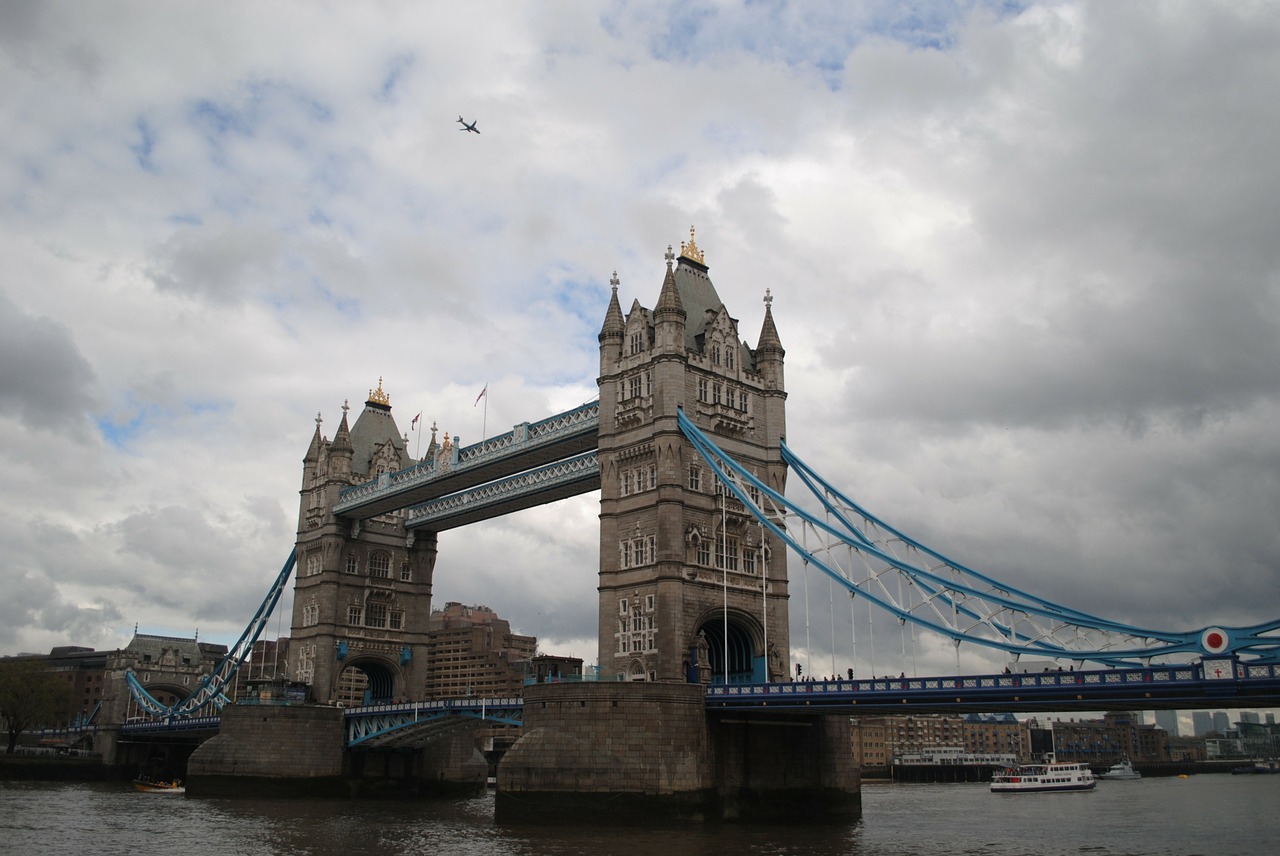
x=380, y=565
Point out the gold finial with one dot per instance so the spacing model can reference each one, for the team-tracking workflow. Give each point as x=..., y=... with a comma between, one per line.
x=377, y=396
x=690, y=250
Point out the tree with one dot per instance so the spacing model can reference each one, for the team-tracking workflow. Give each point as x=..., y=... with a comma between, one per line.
x=31, y=695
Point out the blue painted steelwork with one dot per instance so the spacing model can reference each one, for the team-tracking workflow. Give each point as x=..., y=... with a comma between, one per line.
x=864, y=555
x=210, y=691
x=1225, y=682
x=387, y=725
x=572, y=476
x=527, y=445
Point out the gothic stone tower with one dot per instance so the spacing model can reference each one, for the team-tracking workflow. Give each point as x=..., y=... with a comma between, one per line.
x=673, y=547
x=362, y=589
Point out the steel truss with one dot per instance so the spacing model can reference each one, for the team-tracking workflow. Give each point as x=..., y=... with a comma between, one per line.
x=210, y=691
x=916, y=584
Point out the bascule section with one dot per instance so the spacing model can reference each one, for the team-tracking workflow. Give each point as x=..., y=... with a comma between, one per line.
x=692, y=587
x=362, y=591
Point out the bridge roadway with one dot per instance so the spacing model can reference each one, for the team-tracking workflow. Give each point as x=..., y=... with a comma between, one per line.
x=1217, y=684
x=525, y=447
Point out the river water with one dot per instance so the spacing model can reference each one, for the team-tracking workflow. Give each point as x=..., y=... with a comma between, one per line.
x=1220, y=815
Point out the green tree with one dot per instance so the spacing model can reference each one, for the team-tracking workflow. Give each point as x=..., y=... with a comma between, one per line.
x=31, y=695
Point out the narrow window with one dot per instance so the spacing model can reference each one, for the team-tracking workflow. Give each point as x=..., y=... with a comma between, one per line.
x=695, y=477
x=702, y=389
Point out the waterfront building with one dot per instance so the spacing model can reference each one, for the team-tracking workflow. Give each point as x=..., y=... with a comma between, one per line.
x=470, y=651
x=996, y=733
x=1102, y=741
x=869, y=742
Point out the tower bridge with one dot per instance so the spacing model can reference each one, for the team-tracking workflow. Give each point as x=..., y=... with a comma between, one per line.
x=686, y=448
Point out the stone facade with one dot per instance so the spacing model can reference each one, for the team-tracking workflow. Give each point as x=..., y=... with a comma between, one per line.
x=671, y=545
x=362, y=590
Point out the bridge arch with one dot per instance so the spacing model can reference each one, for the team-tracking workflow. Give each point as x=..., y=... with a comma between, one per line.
x=745, y=656
x=370, y=679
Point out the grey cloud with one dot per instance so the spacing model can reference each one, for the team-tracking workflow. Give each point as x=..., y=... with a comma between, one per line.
x=44, y=378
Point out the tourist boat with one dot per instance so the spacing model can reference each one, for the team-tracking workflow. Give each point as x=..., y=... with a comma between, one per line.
x=148, y=786
x=1122, y=769
x=1052, y=775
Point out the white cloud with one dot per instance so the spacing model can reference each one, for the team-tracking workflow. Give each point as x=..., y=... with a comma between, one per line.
x=1021, y=258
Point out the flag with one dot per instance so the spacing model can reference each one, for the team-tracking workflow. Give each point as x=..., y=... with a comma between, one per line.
x=414, y=423
x=482, y=394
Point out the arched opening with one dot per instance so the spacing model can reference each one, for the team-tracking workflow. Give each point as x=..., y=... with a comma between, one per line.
x=707, y=653
x=366, y=682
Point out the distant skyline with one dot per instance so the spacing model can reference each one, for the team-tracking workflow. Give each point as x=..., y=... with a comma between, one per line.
x=1021, y=254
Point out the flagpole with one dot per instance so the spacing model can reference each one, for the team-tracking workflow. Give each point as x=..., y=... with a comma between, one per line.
x=484, y=420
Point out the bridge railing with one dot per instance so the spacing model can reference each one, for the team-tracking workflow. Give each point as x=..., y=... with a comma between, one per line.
x=1226, y=670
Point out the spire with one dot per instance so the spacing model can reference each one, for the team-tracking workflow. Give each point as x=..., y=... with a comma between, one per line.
x=317, y=442
x=669, y=298
x=342, y=439
x=614, y=326
x=769, y=343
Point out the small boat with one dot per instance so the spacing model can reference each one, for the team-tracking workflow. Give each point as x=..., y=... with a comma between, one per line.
x=1259, y=767
x=1052, y=775
x=1122, y=769
x=151, y=786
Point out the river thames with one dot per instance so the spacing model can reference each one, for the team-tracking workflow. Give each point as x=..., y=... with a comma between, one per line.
x=1220, y=815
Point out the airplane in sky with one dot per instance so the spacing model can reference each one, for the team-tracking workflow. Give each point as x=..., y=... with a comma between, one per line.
x=465, y=127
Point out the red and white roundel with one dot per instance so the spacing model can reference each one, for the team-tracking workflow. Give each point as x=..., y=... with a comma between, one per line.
x=1215, y=640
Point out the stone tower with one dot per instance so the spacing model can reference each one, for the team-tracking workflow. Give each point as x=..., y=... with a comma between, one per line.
x=362, y=589
x=674, y=548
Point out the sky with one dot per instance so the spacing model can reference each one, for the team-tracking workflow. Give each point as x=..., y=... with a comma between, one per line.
x=1024, y=260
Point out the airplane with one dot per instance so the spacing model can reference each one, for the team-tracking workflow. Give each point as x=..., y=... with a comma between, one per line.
x=465, y=127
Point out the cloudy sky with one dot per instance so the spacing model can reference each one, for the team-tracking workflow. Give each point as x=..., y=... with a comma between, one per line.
x=1025, y=260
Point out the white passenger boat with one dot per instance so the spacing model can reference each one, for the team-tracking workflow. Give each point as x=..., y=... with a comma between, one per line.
x=1037, y=778
x=1122, y=769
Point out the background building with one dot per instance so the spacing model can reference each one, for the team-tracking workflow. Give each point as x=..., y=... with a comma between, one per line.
x=471, y=651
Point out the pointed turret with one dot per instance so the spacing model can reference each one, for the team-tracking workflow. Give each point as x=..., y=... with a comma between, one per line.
x=341, y=450
x=669, y=316
x=312, y=457
x=614, y=329
x=769, y=350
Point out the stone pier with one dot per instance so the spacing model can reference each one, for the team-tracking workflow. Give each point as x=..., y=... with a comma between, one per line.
x=648, y=753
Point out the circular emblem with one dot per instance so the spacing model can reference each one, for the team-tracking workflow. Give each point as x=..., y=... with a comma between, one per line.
x=1214, y=640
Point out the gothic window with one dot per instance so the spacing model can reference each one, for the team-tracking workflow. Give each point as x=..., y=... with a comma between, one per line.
x=715, y=393
x=749, y=561
x=728, y=357
x=653, y=477
x=353, y=565
x=310, y=615
x=313, y=563
x=406, y=571
x=715, y=354
x=637, y=552
x=742, y=401
x=626, y=483
x=376, y=615
x=651, y=556
x=702, y=389
x=624, y=560
x=703, y=556
x=380, y=565
x=695, y=477
x=622, y=606
x=355, y=615
x=637, y=342
x=395, y=619
x=727, y=553
x=648, y=383
x=648, y=603
x=635, y=386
